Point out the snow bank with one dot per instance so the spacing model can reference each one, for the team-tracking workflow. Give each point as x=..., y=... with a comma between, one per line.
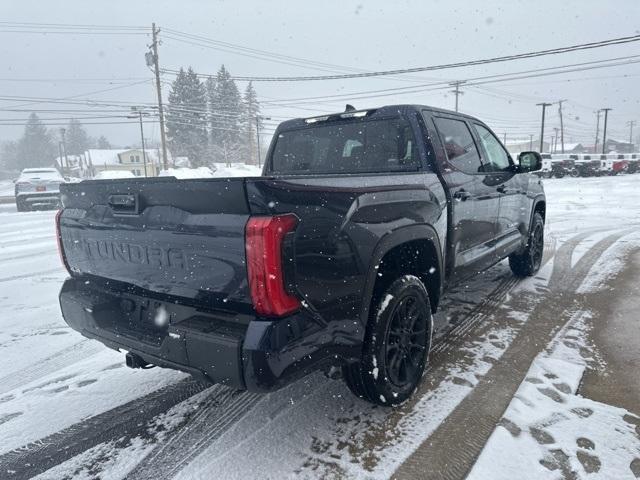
x=113, y=175
x=218, y=170
x=237, y=170
x=200, y=172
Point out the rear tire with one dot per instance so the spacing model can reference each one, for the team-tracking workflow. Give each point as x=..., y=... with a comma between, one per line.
x=396, y=345
x=527, y=263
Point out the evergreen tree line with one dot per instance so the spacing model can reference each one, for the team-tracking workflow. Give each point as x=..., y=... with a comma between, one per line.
x=210, y=121
x=39, y=146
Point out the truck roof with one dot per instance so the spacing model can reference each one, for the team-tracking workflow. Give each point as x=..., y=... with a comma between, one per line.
x=383, y=111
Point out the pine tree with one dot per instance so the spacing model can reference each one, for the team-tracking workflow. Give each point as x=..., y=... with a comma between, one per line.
x=103, y=143
x=77, y=140
x=186, y=117
x=225, y=112
x=35, y=148
x=250, y=119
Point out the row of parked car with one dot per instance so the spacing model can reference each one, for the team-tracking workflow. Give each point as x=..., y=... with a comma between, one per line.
x=588, y=165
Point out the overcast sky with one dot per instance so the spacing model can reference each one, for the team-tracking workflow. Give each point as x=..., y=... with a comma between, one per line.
x=371, y=35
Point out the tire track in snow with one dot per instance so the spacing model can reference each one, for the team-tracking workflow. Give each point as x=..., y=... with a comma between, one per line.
x=128, y=421
x=474, y=419
x=44, y=251
x=25, y=232
x=222, y=411
x=49, y=245
x=68, y=356
x=28, y=238
x=34, y=274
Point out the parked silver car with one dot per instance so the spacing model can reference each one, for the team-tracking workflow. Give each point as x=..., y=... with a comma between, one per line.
x=38, y=187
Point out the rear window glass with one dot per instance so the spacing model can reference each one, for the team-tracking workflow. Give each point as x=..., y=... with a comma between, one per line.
x=345, y=147
x=42, y=174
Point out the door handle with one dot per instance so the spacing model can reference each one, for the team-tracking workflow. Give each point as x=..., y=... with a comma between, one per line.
x=501, y=189
x=461, y=194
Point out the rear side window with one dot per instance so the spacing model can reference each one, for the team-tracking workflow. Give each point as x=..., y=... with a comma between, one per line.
x=461, y=150
x=345, y=147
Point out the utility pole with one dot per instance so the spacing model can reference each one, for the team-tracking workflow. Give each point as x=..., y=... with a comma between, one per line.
x=457, y=91
x=555, y=146
x=60, y=154
x=504, y=139
x=64, y=147
x=631, y=124
x=152, y=60
x=560, y=102
x=544, y=109
x=530, y=141
x=604, y=132
x=138, y=112
x=595, y=147
x=258, y=118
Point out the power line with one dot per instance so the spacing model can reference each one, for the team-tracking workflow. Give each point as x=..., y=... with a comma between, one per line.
x=73, y=25
x=205, y=42
x=507, y=58
x=475, y=81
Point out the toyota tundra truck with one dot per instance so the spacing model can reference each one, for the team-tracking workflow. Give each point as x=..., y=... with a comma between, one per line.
x=337, y=256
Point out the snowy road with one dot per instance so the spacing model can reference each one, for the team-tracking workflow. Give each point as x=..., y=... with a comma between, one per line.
x=69, y=409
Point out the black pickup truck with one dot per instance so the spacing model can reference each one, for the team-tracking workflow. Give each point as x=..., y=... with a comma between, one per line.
x=336, y=257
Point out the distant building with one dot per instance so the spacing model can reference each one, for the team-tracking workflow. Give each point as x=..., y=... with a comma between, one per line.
x=569, y=148
x=619, y=147
x=130, y=160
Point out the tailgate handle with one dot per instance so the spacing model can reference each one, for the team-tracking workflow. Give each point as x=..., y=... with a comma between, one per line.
x=124, y=204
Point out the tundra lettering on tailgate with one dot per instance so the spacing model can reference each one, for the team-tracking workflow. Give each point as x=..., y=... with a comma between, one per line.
x=131, y=253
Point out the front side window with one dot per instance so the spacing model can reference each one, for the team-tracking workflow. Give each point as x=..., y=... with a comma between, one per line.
x=346, y=147
x=459, y=146
x=497, y=157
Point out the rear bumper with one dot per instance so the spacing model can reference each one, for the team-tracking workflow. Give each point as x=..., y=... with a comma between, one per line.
x=38, y=197
x=236, y=350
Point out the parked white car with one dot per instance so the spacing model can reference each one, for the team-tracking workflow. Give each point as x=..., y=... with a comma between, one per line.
x=38, y=187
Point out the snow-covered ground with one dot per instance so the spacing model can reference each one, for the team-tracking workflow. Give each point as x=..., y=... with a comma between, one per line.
x=6, y=188
x=549, y=427
x=105, y=420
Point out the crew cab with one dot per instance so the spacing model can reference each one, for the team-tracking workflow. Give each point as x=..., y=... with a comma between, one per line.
x=337, y=256
x=38, y=187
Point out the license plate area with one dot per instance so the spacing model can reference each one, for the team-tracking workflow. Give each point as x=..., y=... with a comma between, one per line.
x=143, y=320
x=41, y=188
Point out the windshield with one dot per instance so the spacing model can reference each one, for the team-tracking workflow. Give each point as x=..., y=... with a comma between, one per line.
x=346, y=147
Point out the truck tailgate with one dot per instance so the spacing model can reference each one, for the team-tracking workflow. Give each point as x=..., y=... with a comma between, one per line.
x=183, y=238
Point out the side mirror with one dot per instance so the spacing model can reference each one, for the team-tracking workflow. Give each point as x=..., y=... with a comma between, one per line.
x=529, y=162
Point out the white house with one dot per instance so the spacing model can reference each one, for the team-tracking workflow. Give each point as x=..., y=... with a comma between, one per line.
x=130, y=160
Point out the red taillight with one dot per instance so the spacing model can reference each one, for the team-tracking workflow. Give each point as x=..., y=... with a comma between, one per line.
x=63, y=258
x=264, y=239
